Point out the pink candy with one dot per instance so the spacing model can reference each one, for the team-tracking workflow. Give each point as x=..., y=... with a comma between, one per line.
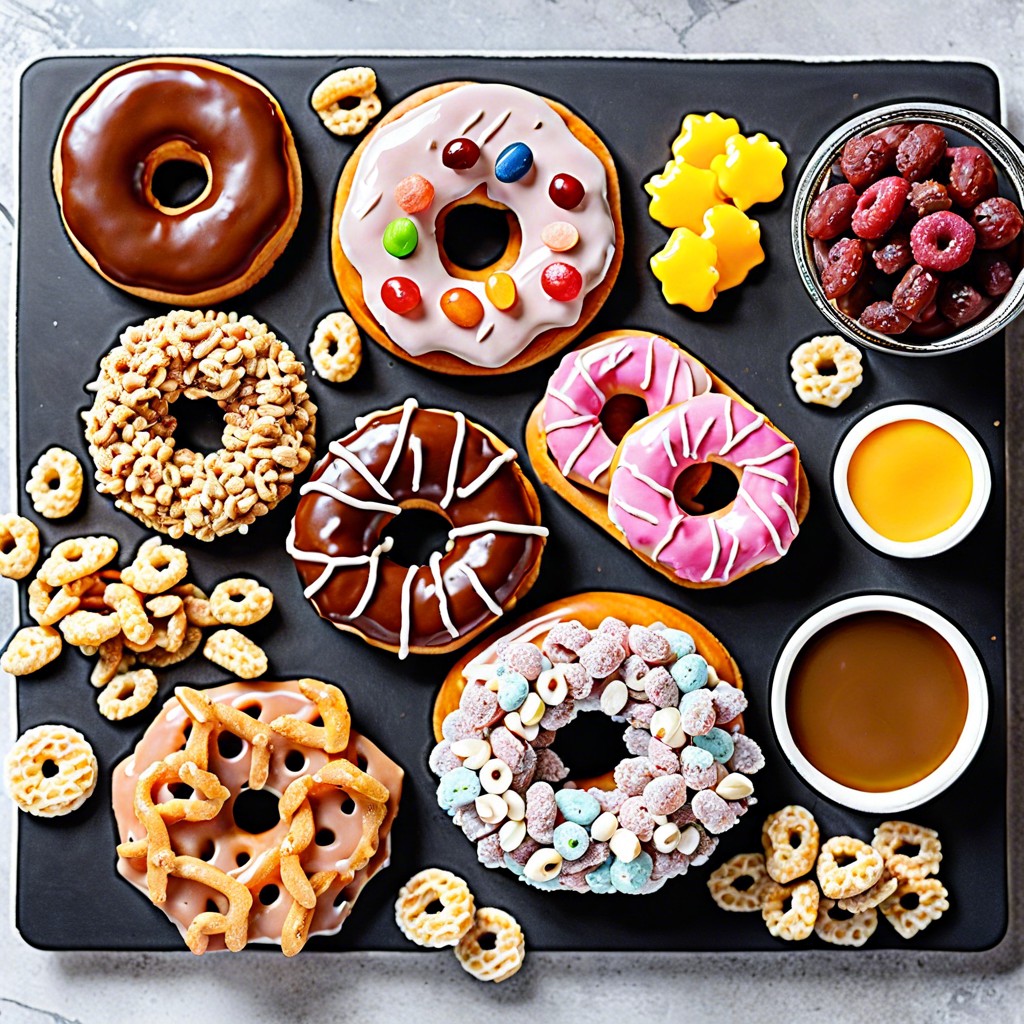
x=572, y=634
x=661, y=688
x=729, y=702
x=479, y=707
x=508, y=748
x=524, y=851
x=664, y=760
x=414, y=194
x=747, y=757
x=632, y=670
x=557, y=654
x=455, y=727
x=442, y=760
x=597, y=853
x=697, y=713
x=639, y=713
x=473, y=826
x=557, y=716
x=602, y=656
x=714, y=813
x=665, y=794
x=526, y=659
x=541, y=811
x=651, y=646
x=580, y=684
x=523, y=776
x=699, y=778
x=616, y=629
x=634, y=815
x=637, y=741
x=550, y=767
x=609, y=799
x=632, y=774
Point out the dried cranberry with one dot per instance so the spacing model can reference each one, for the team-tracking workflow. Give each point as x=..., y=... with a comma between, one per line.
x=820, y=248
x=960, y=303
x=995, y=275
x=920, y=151
x=846, y=258
x=829, y=215
x=942, y=241
x=972, y=176
x=882, y=317
x=931, y=325
x=915, y=293
x=894, y=255
x=998, y=222
x=855, y=301
x=928, y=197
x=866, y=159
x=879, y=207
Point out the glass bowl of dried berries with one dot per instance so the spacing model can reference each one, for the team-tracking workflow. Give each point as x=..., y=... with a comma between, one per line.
x=908, y=229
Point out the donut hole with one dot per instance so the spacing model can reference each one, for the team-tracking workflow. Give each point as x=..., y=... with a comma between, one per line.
x=207, y=850
x=229, y=746
x=487, y=941
x=477, y=236
x=176, y=178
x=705, y=488
x=910, y=901
x=7, y=543
x=242, y=858
x=592, y=744
x=348, y=805
x=49, y=768
x=743, y=883
x=827, y=368
x=255, y=811
x=415, y=535
x=795, y=839
x=433, y=907
x=844, y=859
x=907, y=850
x=199, y=425
x=620, y=413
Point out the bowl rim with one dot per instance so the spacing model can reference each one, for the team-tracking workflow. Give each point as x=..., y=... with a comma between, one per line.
x=1005, y=151
x=897, y=800
x=897, y=412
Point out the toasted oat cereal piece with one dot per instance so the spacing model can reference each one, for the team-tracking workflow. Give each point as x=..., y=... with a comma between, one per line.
x=915, y=904
x=348, y=83
x=790, y=838
x=108, y=663
x=19, y=546
x=236, y=653
x=240, y=602
x=61, y=467
x=881, y=890
x=840, y=928
x=445, y=927
x=30, y=649
x=336, y=348
x=848, y=866
x=90, y=629
x=197, y=606
x=48, y=607
x=128, y=605
x=159, y=657
x=28, y=769
x=796, y=923
x=498, y=958
x=826, y=369
x=739, y=883
x=157, y=567
x=127, y=694
x=909, y=851
x=75, y=558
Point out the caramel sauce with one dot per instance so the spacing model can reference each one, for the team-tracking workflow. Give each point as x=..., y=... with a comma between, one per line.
x=877, y=701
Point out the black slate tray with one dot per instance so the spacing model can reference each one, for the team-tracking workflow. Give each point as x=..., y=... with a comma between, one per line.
x=68, y=895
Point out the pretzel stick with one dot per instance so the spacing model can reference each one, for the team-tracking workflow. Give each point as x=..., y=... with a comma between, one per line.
x=296, y=924
x=333, y=735
x=300, y=835
x=236, y=921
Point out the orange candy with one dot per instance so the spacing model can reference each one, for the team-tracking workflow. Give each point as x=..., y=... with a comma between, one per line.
x=414, y=194
x=501, y=290
x=462, y=307
x=559, y=236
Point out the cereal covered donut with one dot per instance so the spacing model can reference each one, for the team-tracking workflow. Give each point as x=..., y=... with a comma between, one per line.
x=642, y=663
x=413, y=458
x=140, y=116
x=466, y=144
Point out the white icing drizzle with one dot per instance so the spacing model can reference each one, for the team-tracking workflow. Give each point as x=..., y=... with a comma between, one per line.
x=648, y=365
x=564, y=399
x=442, y=597
x=760, y=513
x=472, y=121
x=716, y=548
x=403, y=633
x=689, y=373
x=670, y=383
x=488, y=471
x=667, y=539
x=338, y=449
x=370, y=205
x=453, y=466
x=485, y=332
x=494, y=126
x=408, y=407
x=617, y=358
x=768, y=474
x=416, y=447
x=371, y=581
x=790, y=514
x=581, y=448
x=763, y=460
x=635, y=472
x=666, y=444
x=574, y=422
x=684, y=432
x=599, y=469
x=701, y=434
x=732, y=555
x=475, y=583
x=728, y=428
x=332, y=563
x=581, y=369
x=638, y=512
x=742, y=435
x=495, y=526
x=346, y=499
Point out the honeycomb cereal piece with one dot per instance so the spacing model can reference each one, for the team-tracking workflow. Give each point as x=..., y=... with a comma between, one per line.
x=848, y=866
x=893, y=840
x=881, y=890
x=739, y=883
x=160, y=657
x=26, y=769
x=347, y=83
x=796, y=923
x=240, y=602
x=89, y=629
x=127, y=694
x=492, y=961
x=127, y=604
x=236, y=653
x=60, y=466
x=30, y=649
x=826, y=369
x=157, y=567
x=419, y=924
x=844, y=930
x=75, y=558
x=336, y=348
x=915, y=904
x=19, y=546
x=790, y=838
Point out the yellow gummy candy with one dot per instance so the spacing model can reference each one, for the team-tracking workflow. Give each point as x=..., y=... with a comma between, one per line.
x=738, y=240
x=750, y=170
x=686, y=270
x=702, y=138
x=681, y=194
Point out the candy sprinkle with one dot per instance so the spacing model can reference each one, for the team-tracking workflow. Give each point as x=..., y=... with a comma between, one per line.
x=401, y=237
x=501, y=290
x=514, y=162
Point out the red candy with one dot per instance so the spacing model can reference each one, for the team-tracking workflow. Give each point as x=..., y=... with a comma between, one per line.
x=562, y=281
x=729, y=701
x=880, y=207
x=995, y=275
x=632, y=774
x=846, y=258
x=928, y=197
x=920, y=151
x=665, y=795
x=864, y=160
x=651, y=646
x=414, y=194
x=400, y=294
x=602, y=656
x=972, y=176
x=566, y=192
x=997, y=221
x=942, y=241
x=894, y=255
x=829, y=215
x=460, y=154
x=550, y=767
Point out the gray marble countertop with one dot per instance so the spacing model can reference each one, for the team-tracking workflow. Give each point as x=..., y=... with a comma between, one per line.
x=36, y=987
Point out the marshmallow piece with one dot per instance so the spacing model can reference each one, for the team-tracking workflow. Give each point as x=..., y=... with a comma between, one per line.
x=666, y=837
x=544, y=865
x=625, y=845
x=496, y=776
x=614, y=697
x=474, y=753
x=604, y=827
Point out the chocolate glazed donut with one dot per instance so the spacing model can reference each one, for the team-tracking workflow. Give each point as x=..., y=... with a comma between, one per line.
x=141, y=115
x=417, y=458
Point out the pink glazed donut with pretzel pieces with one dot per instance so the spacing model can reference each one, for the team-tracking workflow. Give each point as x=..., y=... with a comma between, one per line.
x=757, y=528
x=644, y=365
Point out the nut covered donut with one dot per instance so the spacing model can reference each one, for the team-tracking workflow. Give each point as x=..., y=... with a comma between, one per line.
x=685, y=779
x=413, y=458
x=142, y=115
x=471, y=144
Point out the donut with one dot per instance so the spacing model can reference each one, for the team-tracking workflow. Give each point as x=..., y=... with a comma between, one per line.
x=229, y=866
x=413, y=458
x=661, y=674
x=468, y=144
x=142, y=115
x=269, y=423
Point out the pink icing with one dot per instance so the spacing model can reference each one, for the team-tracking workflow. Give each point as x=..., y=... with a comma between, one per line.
x=493, y=116
x=757, y=528
x=645, y=365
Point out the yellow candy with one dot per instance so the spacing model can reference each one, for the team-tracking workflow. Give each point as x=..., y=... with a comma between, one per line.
x=750, y=170
x=686, y=270
x=701, y=139
x=681, y=194
x=738, y=240
x=501, y=290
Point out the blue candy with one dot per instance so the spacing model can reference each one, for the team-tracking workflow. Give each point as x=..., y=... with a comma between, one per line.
x=459, y=787
x=545, y=663
x=681, y=643
x=690, y=672
x=512, y=691
x=696, y=757
x=631, y=877
x=513, y=162
x=599, y=879
x=718, y=743
x=515, y=868
x=570, y=840
x=577, y=806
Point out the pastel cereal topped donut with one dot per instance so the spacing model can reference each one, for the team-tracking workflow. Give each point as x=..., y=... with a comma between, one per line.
x=407, y=259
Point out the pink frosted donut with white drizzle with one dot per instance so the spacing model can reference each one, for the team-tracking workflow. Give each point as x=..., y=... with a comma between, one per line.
x=757, y=528
x=644, y=365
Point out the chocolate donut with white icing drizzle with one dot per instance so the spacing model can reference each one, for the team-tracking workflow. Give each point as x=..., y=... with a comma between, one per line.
x=413, y=458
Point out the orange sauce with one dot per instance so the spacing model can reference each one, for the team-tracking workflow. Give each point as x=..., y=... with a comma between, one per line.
x=876, y=701
x=910, y=480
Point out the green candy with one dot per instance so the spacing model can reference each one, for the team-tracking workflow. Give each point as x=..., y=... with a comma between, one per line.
x=401, y=237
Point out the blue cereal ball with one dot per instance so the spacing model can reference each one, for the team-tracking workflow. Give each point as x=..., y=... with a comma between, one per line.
x=514, y=162
x=577, y=806
x=718, y=743
x=513, y=866
x=681, y=643
x=600, y=879
x=570, y=840
x=690, y=672
x=459, y=787
x=631, y=877
x=551, y=883
x=696, y=757
x=512, y=691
